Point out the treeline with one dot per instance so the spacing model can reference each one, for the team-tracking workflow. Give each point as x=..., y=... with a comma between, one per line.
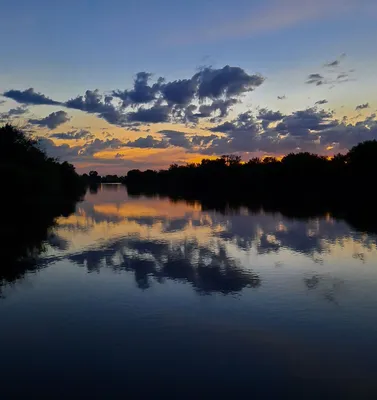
x=35, y=190
x=298, y=178
x=32, y=176
x=93, y=178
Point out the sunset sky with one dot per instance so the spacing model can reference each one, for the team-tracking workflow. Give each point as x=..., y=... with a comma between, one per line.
x=115, y=85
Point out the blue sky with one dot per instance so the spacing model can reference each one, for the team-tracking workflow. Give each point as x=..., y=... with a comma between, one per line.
x=62, y=49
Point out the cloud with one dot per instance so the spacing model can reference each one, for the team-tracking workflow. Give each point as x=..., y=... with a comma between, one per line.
x=13, y=113
x=63, y=152
x=29, y=96
x=244, y=122
x=17, y=111
x=180, y=92
x=173, y=138
x=141, y=93
x=98, y=145
x=201, y=140
x=345, y=136
x=93, y=102
x=221, y=106
x=300, y=123
x=310, y=129
x=73, y=135
x=320, y=102
x=225, y=82
x=342, y=76
x=299, y=131
x=210, y=93
x=269, y=116
x=52, y=121
x=362, y=106
x=148, y=142
x=318, y=79
x=242, y=134
x=176, y=138
x=336, y=62
x=333, y=64
x=157, y=113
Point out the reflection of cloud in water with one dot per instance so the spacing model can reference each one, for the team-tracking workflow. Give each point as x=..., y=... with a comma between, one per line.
x=273, y=232
x=327, y=286
x=265, y=231
x=159, y=239
x=207, y=270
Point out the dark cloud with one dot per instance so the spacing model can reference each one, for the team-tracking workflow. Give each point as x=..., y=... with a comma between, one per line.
x=187, y=115
x=98, y=145
x=243, y=123
x=52, y=121
x=148, y=142
x=176, y=138
x=221, y=106
x=225, y=82
x=300, y=131
x=345, y=136
x=215, y=90
x=63, y=152
x=29, y=96
x=318, y=79
x=320, y=102
x=242, y=134
x=17, y=111
x=270, y=115
x=77, y=155
x=200, y=140
x=334, y=63
x=173, y=138
x=180, y=92
x=93, y=102
x=342, y=76
x=141, y=93
x=73, y=135
x=157, y=113
x=300, y=123
x=13, y=113
x=362, y=106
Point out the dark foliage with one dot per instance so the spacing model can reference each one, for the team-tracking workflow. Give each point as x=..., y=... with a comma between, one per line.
x=36, y=190
x=299, y=183
x=93, y=178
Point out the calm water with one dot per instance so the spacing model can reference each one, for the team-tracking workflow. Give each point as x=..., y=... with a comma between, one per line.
x=138, y=297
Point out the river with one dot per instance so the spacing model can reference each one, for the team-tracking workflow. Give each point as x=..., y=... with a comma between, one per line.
x=137, y=297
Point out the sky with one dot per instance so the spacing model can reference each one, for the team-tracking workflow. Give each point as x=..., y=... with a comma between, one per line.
x=121, y=84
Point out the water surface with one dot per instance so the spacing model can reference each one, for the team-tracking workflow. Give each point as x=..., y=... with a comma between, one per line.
x=139, y=297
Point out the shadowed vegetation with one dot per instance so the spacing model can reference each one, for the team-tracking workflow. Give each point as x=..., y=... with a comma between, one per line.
x=38, y=189
x=301, y=183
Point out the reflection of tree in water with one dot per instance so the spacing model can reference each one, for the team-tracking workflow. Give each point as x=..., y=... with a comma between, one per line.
x=207, y=270
x=23, y=237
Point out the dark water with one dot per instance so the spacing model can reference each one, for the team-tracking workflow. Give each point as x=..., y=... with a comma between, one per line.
x=146, y=298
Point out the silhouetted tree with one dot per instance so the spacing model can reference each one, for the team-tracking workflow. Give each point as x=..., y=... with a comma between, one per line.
x=305, y=176
x=38, y=188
